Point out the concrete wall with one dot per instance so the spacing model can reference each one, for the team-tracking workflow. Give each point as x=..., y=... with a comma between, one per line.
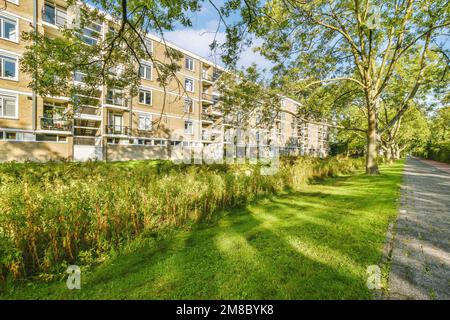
x=136, y=152
x=33, y=151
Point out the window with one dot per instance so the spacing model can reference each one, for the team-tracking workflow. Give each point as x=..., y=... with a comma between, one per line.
x=113, y=140
x=17, y=136
x=54, y=110
x=188, y=105
x=145, y=71
x=189, y=63
x=79, y=76
x=8, y=28
x=216, y=74
x=145, y=122
x=8, y=67
x=91, y=33
x=8, y=107
x=145, y=96
x=115, y=97
x=46, y=137
x=188, y=127
x=10, y=136
x=148, y=46
x=189, y=84
x=55, y=15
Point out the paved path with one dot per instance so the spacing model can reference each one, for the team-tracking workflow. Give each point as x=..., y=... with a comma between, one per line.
x=420, y=261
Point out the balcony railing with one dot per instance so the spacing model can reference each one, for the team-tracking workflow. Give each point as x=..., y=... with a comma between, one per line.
x=89, y=110
x=57, y=124
x=210, y=136
x=209, y=97
x=215, y=109
x=207, y=77
x=84, y=141
x=143, y=133
x=117, y=129
x=207, y=117
x=228, y=119
x=115, y=101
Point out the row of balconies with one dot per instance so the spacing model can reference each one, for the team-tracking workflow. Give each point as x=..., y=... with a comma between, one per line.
x=62, y=124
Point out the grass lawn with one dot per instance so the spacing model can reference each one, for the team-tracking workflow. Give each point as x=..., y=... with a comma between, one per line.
x=314, y=244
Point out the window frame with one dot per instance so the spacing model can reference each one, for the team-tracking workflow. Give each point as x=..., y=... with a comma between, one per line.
x=187, y=66
x=148, y=41
x=2, y=66
x=16, y=110
x=191, y=126
x=93, y=31
x=115, y=93
x=56, y=9
x=146, y=66
x=79, y=73
x=145, y=116
x=193, y=84
x=191, y=106
x=4, y=16
x=145, y=91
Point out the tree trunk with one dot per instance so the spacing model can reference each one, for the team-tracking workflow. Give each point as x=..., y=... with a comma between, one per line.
x=388, y=154
x=372, y=150
x=396, y=151
x=391, y=152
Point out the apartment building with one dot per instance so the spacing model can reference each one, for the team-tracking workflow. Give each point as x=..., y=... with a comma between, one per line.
x=109, y=127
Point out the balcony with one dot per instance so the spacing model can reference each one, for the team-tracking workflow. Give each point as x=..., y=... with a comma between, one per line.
x=143, y=133
x=117, y=130
x=209, y=136
x=216, y=111
x=228, y=120
x=207, y=98
x=119, y=102
x=56, y=124
x=206, y=77
x=88, y=112
x=207, y=117
x=216, y=129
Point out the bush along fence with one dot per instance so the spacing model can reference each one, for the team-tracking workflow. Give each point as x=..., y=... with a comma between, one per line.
x=55, y=214
x=438, y=152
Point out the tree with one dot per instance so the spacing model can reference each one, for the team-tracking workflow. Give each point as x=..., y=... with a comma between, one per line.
x=438, y=147
x=318, y=43
x=245, y=96
x=114, y=60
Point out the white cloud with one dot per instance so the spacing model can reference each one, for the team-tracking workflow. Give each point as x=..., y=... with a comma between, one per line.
x=198, y=41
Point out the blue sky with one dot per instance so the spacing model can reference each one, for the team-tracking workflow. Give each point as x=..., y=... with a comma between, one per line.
x=198, y=38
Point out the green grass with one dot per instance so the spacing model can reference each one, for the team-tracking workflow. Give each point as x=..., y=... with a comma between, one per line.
x=314, y=244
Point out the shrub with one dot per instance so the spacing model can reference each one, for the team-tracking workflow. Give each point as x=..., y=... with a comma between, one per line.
x=59, y=213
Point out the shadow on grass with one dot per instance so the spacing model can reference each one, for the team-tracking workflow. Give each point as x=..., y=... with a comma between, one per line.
x=313, y=244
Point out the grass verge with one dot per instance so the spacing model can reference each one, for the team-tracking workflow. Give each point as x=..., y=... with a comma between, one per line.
x=312, y=244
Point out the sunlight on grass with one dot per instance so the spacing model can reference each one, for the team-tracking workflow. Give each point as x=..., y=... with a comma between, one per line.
x=311, y=244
